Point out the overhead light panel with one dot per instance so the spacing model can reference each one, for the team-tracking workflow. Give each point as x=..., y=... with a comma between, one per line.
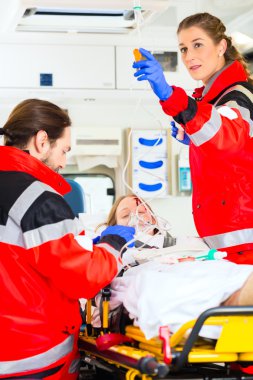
x=79, y=20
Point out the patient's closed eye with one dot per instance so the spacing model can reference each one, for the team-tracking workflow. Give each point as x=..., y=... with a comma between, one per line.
x=125, y=216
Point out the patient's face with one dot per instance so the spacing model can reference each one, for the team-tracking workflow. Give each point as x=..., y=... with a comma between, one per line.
x=132, y=206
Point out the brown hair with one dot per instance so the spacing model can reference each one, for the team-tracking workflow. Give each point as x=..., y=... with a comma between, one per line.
x=31, y=116
x=215, y=29
x=111, y=219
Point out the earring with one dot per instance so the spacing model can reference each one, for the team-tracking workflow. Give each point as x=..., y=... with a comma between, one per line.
x=220, y=54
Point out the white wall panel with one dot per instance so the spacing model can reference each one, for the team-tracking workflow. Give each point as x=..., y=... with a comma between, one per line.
x=90, y=67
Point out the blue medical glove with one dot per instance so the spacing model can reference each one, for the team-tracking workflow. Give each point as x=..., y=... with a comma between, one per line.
x=96, y=239
x=174, y=132
x=124, y=232
x=151, y=70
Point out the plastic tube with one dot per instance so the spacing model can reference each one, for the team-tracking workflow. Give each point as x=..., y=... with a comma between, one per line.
x=138, y=18
x=213, y=254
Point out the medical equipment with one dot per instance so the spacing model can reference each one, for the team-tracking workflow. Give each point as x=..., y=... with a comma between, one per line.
x=138, y=222
x=184, y=172
x=213, y=254
x=180, y=355
x=137, y=55
x=138, y=17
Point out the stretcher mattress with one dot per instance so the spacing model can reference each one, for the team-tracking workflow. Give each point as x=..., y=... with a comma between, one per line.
x=157, y=294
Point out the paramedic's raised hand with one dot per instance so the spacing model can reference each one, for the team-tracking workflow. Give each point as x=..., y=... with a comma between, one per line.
x=180, y=136
x=151, y=70
x=118, y=236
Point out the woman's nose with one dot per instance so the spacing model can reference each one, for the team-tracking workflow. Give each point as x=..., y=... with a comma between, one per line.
x=189, y=55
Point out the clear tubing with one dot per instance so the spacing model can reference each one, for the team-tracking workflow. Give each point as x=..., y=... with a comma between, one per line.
x=146, y=226
x=138, y=18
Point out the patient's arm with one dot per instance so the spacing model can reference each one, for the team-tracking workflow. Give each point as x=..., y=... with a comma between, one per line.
x=243, y=296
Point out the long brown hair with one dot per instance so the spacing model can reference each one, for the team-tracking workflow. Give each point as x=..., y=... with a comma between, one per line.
x=29, y=117
x=215, y=29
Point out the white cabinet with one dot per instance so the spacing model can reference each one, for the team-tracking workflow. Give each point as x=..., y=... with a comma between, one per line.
x=126, y=80
x=71, y=66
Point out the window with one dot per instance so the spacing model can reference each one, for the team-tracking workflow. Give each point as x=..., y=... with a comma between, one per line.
x=98, y=189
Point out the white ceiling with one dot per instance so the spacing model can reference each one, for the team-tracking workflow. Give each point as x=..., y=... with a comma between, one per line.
x=236, y=14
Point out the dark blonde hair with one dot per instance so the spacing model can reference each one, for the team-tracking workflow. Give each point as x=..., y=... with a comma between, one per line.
x=31, y=116
x=215, y=29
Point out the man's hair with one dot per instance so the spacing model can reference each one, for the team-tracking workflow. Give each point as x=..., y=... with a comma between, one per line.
x=31, y=116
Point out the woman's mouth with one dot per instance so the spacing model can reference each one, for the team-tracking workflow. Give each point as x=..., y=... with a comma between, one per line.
x=195, y=67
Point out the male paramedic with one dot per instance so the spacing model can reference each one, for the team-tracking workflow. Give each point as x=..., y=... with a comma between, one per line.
x=44, y=269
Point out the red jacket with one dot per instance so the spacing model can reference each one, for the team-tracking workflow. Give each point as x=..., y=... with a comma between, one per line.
x=43, y=269
x=220, y=127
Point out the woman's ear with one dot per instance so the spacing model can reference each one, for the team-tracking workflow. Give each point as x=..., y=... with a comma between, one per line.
x=222, y=47
x=41, y=142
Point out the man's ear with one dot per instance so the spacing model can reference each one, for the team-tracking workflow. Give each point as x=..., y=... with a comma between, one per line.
x=41, y=142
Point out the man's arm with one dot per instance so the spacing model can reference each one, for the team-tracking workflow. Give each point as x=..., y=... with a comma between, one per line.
x=49, y=229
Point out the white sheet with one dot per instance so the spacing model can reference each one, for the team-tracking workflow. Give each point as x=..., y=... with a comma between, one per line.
x=157, y=294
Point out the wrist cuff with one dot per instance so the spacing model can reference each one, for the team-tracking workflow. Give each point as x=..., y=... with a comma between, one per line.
x=176, y=103
x=115, y=241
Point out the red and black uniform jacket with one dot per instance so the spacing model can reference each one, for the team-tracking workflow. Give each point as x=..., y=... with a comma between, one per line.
x=43, y=268
x=220, y=127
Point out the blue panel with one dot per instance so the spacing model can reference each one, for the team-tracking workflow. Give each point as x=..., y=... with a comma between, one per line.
x=151, y=165
x=46, y=79
x=149, y=142
x=155, y=187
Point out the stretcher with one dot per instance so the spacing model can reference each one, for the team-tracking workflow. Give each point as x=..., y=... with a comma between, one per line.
x=181, y=355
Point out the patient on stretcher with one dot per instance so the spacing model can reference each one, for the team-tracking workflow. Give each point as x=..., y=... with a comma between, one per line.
x=162, y=291
x=152, y=238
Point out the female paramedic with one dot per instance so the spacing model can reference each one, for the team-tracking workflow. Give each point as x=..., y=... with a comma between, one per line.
x=44, y=265
x=218, y=126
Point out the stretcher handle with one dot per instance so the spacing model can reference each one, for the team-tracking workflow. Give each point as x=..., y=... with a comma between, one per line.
x=88, y=317
x=150, y=366
x=182, y=357
x=164, y=335
x=106, y=295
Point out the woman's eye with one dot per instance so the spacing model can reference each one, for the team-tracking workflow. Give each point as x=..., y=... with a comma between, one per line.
x=197, y=45
x=183, y=50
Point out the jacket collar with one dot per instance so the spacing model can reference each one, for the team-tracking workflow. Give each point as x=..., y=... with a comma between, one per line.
x=230, y=74
x=14, y=159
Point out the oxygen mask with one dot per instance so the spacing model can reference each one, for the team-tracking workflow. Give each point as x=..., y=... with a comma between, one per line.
x=139, y=223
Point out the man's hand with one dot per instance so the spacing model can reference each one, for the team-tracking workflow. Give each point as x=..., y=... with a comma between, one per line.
x=151, y=70
x=125, y=232
x=180, y=136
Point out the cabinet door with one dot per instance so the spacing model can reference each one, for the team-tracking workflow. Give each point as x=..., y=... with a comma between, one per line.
x=174, y=71
x=88, y=67
x=150, y=170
